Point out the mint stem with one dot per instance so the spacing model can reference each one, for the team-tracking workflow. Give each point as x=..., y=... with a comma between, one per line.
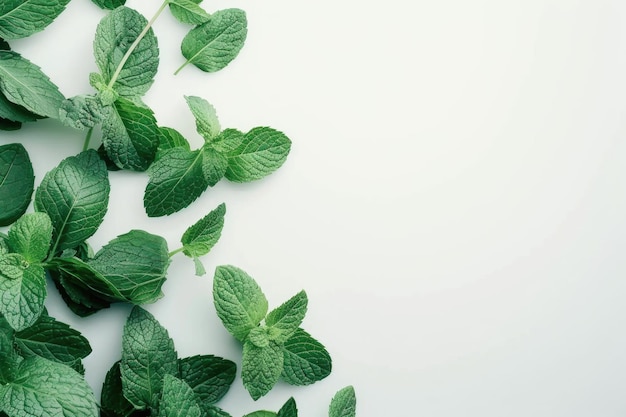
x=174, y=252
x=145, y=30
x=87, y=139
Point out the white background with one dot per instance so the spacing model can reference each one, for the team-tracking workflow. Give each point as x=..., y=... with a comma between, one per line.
x=453, y=203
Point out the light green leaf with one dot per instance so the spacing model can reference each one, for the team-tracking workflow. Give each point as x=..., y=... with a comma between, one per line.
x=343, y=403
x=22, y=299
x=12, y=265
x=260, y=368
x=115, y=34
x=81, y=112
x=188, y=11
x=209, y=376
x=262, y=151
x=204, y=234
x=259, y=336
x=75, y=196
x=30, y=236
x=178, y=399
x=109, y=4
x=287, y=318
x=147, y=356
x=130, y=135
x=44, y=388
x=227, y=141
x=17, y=181
x=207, y=124
x=214, y=165
x=22, y=18
x=306, y=360
x=289, y=409
x=214, y=44
x=239, y=301
x=23, y=83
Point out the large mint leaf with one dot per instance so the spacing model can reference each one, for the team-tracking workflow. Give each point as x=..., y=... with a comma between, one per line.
x=130, y=135
x=23, y=83
x=203, y=235
x=147, y=356
x=109, y=4
x=135, y=264
x=343, y=403
x=261, y=368
x=306, y=360
x=286, y=319
x=178, y=399
x=188, y=11
x=22, y=18
x=75, y=195
x=207, y=123
x=112, y=400
x=263, y=150
x=209, y=376
x=30, y=236
x=115, y=34
x=214, y=44
x=44, y=388
x=17, y=181
x=22, y=298
x=239, y=301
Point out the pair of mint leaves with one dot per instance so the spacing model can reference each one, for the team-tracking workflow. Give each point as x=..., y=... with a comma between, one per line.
x=343, y=404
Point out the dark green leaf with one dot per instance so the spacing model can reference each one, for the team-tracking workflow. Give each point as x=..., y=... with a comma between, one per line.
x=17, y=181
x=209, y=376
x=109, y=4
x=289, y=409
x=13, y=112
x=112, y=400
x=22, y=18
x=306, y=360
x=9, y=125
x=9, y=358
x=170, y=138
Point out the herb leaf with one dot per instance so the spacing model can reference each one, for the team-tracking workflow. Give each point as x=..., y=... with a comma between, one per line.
x=239, y=301
x=9, y=358
x=170, y=138
x=306, y=360
x=289, y=409
x=13, y=112
x=75, y=195
x=22, y=298
x=22, y=18
x=30, y=236
x=188, y=11
x=214, y=44
x=343, y=403
x=209, y=376
x=17, y=181
x=204, y=234
x=260, y=368
x=81, y=112
x=178, y=399
x=112, y=400
x=207, y=124
x=287, y=318
x=227, y=141
x=109, y=4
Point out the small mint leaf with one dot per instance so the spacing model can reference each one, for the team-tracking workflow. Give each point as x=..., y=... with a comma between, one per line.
x=188, y=11
x=288, y=317
x=227, y=141
x=209, y=376
x=30, y=236
x=306, y=360
x=178, y=399
x=109, y=4
x=207, y=123
x=343, y=403
x=260, y=368
x=200, y=238
x=259, y=337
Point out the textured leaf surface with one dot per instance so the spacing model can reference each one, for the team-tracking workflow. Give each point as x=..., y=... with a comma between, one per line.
x=207, y=123
x=188, y=11
x=9, y=358
x=287, y=318
x=209, y=376
x=289, y=409
x=17, y=181
x=214, y=165
x=239, y=301
x=227, y=141
x=147, y=356
x=214, y=44
x=22, y=299
x=260, y=368
x=109, y=4
x=13, y=112
x=262, y=151
x=170, y=138
x=23, y=83
x=75, y=196
x=30, y=236
x=204, y=234
x=81, y=112
x=306, y=360
x=343, y=403
x=22, y=18
x=112, y=400
x=178, y=399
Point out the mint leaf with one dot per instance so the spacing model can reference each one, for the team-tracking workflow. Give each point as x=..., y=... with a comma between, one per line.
x=239, y=301
x=286, y=319
x=214, y=165
x=343, y=403
x=135, y=264
x=12, y=265
x=188, y=11
x=306, y=360
x=147, y=356
x=210, y=377
x=130, y=135
x=204, y=234
x=75, y=196
x=81, y=112
x=227, y=141
x=178, y=399
x=30, y=236
x=22, y=299
x=115, y=34
x=261, y=368
x=47, y=389
x=289, y=409
x=9, y=357
x=22, y=18
x=213, y=411
x=17, y=181
x=109, y=4
x=23, y=83
x=214, y=44
x=170, y=138
x=13, y=112
x=262, y=151
x=53, y=340
x=207, y=124
x=261, y=413
x=112, y=400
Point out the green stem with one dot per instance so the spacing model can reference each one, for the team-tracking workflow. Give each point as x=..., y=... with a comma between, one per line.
x=174, y=252
x=87, y=139
x=181, y=67
x=145, y=30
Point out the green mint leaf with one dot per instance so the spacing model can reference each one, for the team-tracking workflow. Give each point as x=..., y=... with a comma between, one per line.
x=53, y=340
x=227, y=141
x=9, y=358
x=81, y=112
x=287, y=318
x=23, y=83
x=204, y=234
x=17, y=181
x=210, y=377
x=306, y=360
x=130, y=135
x=289, y=409
x=135, y=264
x=22, y=18
x=214, y=44
x=15, y=113
x=214, y=411
x=262, y=151
x=261, y=413
x=47, y=389
x=147, y=356
x=170, y=138
x=109, y=4
x=12, y=265
x=214, y=165
x=343, y=403
x=114, y=35
x=75, y=195
x=260, y=368
x=239, y=301
x=22, y=299
x=9, y=125
x=188, y=11
x=112, y=400
x=207, y=124
x=30, y=236
x=259, y=336
x=178, y=399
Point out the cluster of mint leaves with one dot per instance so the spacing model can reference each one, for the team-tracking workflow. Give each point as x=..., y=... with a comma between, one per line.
x=41, y=369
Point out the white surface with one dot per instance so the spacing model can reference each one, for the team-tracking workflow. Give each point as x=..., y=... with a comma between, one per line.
x=453, y=204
